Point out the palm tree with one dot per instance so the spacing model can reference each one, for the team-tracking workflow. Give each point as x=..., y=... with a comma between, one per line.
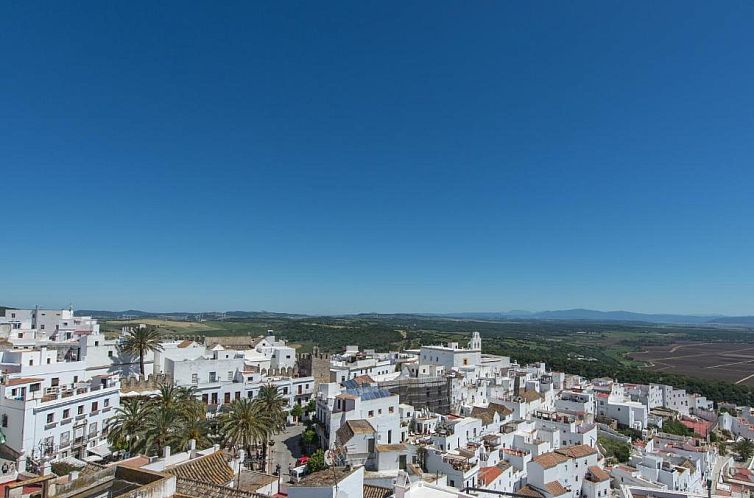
x=274, y=405
x=245, y=423
x=173, y=398
x=160, y=429
x=141, y=340
x=126, y=427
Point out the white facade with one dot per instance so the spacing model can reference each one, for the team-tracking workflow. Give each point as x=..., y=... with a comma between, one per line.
x=336, y=406
x=52, y=409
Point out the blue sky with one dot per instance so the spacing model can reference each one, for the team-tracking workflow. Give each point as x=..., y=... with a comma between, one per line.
x=378, y=156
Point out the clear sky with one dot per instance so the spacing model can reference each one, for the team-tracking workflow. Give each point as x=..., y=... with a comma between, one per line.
x=378, y=156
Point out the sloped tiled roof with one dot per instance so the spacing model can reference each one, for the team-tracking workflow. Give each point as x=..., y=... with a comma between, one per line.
x=185, y=344
x=360, y=426
x=489, y=474
x=555, y=488
x=384, y=448
x=371, y=491
x=529, y=491
x=530, y=396
x=351, y=427
x=487, y=414
x=213, y=469
x=186, y=488
x=598, y=474
x=22, y=380
x=577, y=451
x=549, y=460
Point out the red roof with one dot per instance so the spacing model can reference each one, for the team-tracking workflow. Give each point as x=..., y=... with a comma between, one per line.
x=489, y=474
x=22, y=380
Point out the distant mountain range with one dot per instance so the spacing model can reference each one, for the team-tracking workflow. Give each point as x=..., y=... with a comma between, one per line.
x=594, y=315
x=131, y=314
x=562, y=315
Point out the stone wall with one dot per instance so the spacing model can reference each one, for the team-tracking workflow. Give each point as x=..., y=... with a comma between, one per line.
x=314, y=364
x=151, y=383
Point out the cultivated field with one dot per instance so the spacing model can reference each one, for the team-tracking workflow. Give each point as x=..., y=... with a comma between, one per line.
x=731, y=362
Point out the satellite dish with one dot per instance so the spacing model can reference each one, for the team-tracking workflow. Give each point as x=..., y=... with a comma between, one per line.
x=329, y=457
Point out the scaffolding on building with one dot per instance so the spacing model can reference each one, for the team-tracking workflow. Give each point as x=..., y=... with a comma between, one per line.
x=432, y=393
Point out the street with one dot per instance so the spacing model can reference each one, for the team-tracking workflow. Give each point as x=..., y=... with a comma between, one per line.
x=286, y=450
x=721, y=462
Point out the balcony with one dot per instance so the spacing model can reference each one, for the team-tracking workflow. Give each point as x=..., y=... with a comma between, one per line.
x=52, y=394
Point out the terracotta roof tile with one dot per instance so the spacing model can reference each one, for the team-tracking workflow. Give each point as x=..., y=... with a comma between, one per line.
x=371, y=491
x=487, y=414
x=22, y=380
x=555, y=488
x=213, y=469
x=199, y=489
x=384, y=448
x=577, y=451
x=598, y=474
x=549, y=460
x=488, y=474
x=530, y=396
x=361, y=426
x=529, y=491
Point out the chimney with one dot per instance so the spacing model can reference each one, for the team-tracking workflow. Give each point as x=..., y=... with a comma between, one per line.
x=192, y=448
x=166, y=453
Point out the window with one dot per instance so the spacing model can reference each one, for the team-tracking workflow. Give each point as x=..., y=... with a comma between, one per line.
x=96, y=343
x=65, y=438
x=379, y=411
x=93, y=428
x=107, y=402
x=75, y=378
x=5, y=420
x=20, y=335
x=371, y=413
x=227, y=397
x=50, y=418
x=95, y=406
x=67, y=413
x=110, y=354
x=230, y=375
x=391, y=409
x=31, y=363
x=48, y=361
x=42, y=327
x=195, y=378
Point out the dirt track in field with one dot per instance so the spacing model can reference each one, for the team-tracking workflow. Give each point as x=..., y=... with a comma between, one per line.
x=731, y=362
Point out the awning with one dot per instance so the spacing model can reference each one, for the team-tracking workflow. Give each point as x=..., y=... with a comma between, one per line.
x=101, y=450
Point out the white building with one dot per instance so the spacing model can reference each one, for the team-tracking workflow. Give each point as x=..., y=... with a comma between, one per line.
x=631, y=414
x=562, y=473
x=337, y=405
x=51, y=409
